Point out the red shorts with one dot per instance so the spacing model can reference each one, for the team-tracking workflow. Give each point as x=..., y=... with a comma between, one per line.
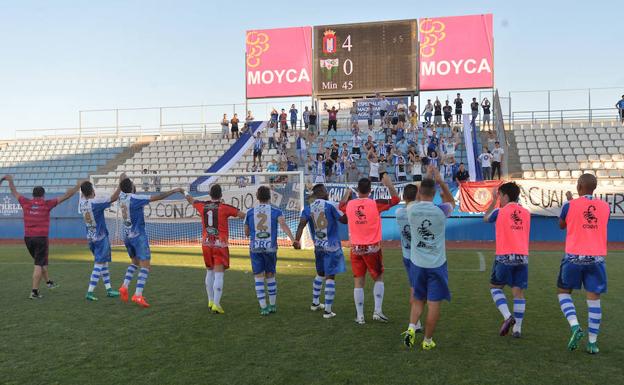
x=365, y=258
x=216, y=256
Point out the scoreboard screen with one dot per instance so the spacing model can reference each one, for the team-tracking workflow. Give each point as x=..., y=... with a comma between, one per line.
x=364, y=58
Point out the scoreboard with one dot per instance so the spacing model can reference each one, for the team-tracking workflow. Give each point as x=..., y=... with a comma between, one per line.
x=364, y=58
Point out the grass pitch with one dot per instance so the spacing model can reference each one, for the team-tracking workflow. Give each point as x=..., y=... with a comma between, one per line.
x=63, y=339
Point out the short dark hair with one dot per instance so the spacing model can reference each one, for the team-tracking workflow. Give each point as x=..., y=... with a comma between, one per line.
x=497, y=142
x=87, y=188
x=511, y=189
x=126, y=185
x=264, y=194
x=319, y=190
x=427, y=187
x=409, y=192
x=215, y=191
x=364, y=186
x=38, y=192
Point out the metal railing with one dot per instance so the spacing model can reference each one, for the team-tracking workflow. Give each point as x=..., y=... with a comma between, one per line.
x=568, y=115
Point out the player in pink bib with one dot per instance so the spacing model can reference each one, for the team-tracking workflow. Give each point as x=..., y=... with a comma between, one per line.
x=585, y=219
x=511, y=263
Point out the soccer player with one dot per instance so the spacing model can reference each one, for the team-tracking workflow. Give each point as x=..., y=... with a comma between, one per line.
x=364, y=217
x=428, y=271
x=135, y=237
x=92, y=210
x=511, y=263
x=215, y=229
x=322, y=217
x=409, y=196
x=36, y=228
x=261, y=228
x=585, y=219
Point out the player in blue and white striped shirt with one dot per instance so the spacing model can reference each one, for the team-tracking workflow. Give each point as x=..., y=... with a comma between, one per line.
x=261, y=225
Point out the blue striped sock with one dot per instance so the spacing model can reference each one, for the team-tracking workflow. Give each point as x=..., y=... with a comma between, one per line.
x=330, y=293
x=95, y=277
x=568, y=309
x=272, y=288
x=129, y=274
x=317, y=284
x=519, y=307
x=595, y=316
x=260, y=294
x=106, y=277
x=501, y=302
x=143, y=273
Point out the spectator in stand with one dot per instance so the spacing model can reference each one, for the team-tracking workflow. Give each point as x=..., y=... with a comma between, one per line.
x=383, y=107
x=340, y=170
x=491, y=139
x=402, y=112
x=234, y=126
x=459, y=102
x=257, y=150
x=291, y=165
x=306, y=117
x=249, y=118
x=145, y=180
x=462, y=174
x=448, y=113
x=497, y=159
x=356, y=144
x=434, y=160
x=293, y=117
x=271, y=135
x=353, y=173
x=450, y=168
x=332, y=119
x=373, y=166
x=329, y=163
x=334, y=149
x=400, y=166
x=312, y=128
x=383, y=166
x=450, y=146
x=353, y=112
x=428, y=111
x=344, y=150
x=283, y=119
x=272, y=167
x=274, y=116
x=433, y=144
x=302, y=147
x=485, y=159
x=156, y=181
x=417, y=167
x=371, y=116
x=320, y=150
x=485, y=104
x=437, y=114
x=620, y=106
x=370, y=144
x=474, y=110
x=422, y=147
x=225, y=127
x=413, y=115
x=402, y=145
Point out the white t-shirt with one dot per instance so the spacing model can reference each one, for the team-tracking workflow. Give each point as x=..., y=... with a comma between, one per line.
x=357, y=141
x=485, y=159
x=374, y=169
x=497, y=154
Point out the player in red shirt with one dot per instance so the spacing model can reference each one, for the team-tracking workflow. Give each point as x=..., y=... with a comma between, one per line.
x=215, y=233
x=36, y=228
x=364, y=217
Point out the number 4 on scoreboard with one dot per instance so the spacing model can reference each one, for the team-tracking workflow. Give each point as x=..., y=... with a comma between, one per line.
x=347, y=43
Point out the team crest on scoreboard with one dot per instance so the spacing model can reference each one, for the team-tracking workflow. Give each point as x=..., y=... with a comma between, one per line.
x=329, y=42
x=329, y=67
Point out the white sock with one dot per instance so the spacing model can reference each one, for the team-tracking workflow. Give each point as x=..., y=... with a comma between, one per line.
x=358, y=296
x=106, y=276
x=519, y=307
x=95, y=276
x=595, y=316
x=378, y=292
x=210, y=275
x=129, y=274
x=218, y=287
x=272, y=289
x=568, y=309
x=317, y=284
x=500, y=301
x=415, y=326
x=330, y=293
x=260, y=294
x=141, y=280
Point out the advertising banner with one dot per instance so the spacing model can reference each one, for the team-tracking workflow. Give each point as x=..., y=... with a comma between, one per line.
x=456, y=52
x=362, y=105
x=278, y=62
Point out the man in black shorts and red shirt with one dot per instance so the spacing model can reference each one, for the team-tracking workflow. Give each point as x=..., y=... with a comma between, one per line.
x=36, y=227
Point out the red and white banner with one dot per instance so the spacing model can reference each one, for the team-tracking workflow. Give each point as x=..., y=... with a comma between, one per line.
x=456, y=52
x=476, y=197
x=278, y=62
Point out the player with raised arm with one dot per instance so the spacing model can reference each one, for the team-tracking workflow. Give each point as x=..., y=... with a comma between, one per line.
x=36, y=228
x=135, y=237
x=428, y=271
x=92, y=210
x=409, y=196
x=261, y=225
x=215, y=238
x=364, y=217
x=511, y=263
x=585, y=219
x=322, y=217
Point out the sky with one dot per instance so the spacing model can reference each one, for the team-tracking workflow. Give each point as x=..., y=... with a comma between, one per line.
x=60, y=57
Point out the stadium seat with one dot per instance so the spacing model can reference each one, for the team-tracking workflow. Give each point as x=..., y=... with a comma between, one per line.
x=528, y=175
x=552, y=174
x=565, y=174
x=540, y=175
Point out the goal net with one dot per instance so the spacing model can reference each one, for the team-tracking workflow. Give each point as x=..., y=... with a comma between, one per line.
x=174, y=222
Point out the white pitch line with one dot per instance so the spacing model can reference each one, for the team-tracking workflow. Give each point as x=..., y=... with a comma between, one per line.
x=481, y=262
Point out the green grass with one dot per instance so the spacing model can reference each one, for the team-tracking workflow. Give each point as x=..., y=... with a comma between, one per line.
x=64, y=339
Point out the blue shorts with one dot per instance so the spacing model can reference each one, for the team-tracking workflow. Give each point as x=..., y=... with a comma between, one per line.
x=263, y=262
x=138, y=247
x=510, y=275
x=430, y=284
x=408, y=266
x=591, y=276
x=329, y=262
x=101, y=250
